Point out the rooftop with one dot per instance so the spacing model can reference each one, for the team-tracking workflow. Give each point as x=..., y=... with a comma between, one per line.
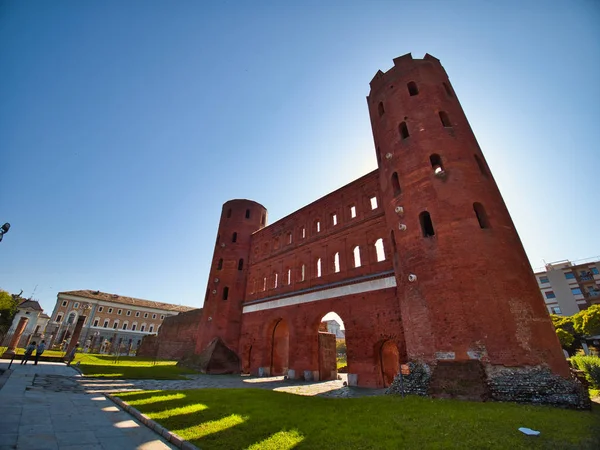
x=114, y=298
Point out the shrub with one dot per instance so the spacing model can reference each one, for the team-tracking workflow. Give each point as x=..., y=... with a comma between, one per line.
x=591, y=366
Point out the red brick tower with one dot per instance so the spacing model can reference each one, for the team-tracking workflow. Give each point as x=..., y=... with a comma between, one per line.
x=465, y=286
x=222, y=310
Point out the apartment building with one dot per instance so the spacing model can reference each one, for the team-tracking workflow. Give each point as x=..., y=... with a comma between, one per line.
x=111, y=319
x=569, y=287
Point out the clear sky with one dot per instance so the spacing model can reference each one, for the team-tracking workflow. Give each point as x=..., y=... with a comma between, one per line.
x=125, y=125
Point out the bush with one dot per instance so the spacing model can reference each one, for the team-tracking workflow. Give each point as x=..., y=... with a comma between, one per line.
x=591, y=366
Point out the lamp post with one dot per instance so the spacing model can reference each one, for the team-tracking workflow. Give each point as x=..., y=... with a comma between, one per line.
x=4, y=229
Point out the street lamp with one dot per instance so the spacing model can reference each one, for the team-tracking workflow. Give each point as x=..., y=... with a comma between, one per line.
x=4, y=229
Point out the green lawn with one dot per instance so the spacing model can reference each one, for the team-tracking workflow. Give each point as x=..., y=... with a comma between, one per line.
x=260, y=419
x=129, y=367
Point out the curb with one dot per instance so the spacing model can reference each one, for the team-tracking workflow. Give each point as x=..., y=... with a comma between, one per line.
x=174, y=439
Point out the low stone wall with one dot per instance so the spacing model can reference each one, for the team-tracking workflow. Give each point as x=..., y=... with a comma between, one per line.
x=532, y=385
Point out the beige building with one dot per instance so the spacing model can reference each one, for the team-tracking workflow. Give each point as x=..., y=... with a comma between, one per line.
x=569, y=287
x=111, y=320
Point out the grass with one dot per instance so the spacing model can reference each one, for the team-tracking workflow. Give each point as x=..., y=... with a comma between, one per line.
x=129, y=367
x=260, y=419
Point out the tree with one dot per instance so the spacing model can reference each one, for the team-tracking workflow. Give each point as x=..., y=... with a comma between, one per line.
x=566, y=339
x=8, y=309
x=587, y=322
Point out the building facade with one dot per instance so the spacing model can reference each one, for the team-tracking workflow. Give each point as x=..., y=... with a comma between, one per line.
x=419, y=258
x=569, y=287
x=36, y=325
x=111, y=320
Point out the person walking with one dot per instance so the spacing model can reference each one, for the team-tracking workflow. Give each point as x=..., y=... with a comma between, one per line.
x=39, y=350
x=28, y=351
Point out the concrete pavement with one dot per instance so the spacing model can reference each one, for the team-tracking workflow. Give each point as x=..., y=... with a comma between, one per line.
x=39, y=418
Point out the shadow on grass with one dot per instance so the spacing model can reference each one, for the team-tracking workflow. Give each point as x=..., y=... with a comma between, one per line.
x=241, y=418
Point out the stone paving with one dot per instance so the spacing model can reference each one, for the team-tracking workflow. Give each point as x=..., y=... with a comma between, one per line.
x=35, y=414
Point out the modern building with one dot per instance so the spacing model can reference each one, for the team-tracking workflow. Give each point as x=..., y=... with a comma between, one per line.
x=569, y=287
x=110, y=318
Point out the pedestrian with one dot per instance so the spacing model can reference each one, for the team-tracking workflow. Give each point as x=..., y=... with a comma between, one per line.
x=39, y=350
x=71, y=356
x=28, y=351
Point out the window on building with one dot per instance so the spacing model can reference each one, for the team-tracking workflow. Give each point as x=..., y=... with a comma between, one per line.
x=556, y=310
x=481, y=165
x=143, y=328
x=318, y=226
x=105, y=323
x=59, y=318
x=96, y=322
x=289, y=277
x=379, y=250
x=247, y=214
x=64, y=303
x=234, y=237
x=380, y=109
x=119, y=311
x=436, y=164
x=336, y=262
x=318, y=267
x=275, y=280
x=356, y=253
x=570, y=276
x=124, y=327
x=220, y=264
x=264, y=284
x=303, y=272
x=595, y=271
x=115, y=324
x=445, y=119
x=352, y=212
x=396, y=184
x=481, y=215
x=403, y=130
x=412, y=88
x=100, y=308
x=76, y=305
x=154, y=316
x=162, y=316
x=550, y=294
x=110, y=310
x=145, y=315
x=71, y=318
x=576, y=291
x=544, y=280
x=289, y=238
x=303, y=232
x=137, y=314
x=447, y=89
x=241, y=264
x=334, y=219
x=373, y=201
x=151, y=329
x=128, y=313
x=134, y=326
x=426, y=224
x=225, y=292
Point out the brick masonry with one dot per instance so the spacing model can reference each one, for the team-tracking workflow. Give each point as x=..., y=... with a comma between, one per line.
x=453, y=282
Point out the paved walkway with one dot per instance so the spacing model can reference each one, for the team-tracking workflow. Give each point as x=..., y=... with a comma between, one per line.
x=33, y=417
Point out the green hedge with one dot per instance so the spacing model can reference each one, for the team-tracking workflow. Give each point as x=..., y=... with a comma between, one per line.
x=591, y=366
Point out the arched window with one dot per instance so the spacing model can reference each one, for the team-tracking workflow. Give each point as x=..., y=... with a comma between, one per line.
x=71, y=318
x=396, y=184
x=426, y=224
x=124, y=325
x=318, y=267
x=336, y=262
x=234, y=237
x=225, y=292
x=412, y=88
x=220, y=264
x=380, y=109
x=445, y=119
x=436, y=164
x=356, y=253
x=403, y=129
x=482, y=217
x=481, y=166
x=241, y=264
x=247, y=214
x=447, y=89
x=379, y=250
x=229, y=213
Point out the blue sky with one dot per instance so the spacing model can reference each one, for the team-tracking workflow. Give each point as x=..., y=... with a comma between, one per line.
x=124, y=126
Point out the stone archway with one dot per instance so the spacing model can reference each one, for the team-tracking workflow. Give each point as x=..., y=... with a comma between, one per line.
x=389, y=361
x=280, y=348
